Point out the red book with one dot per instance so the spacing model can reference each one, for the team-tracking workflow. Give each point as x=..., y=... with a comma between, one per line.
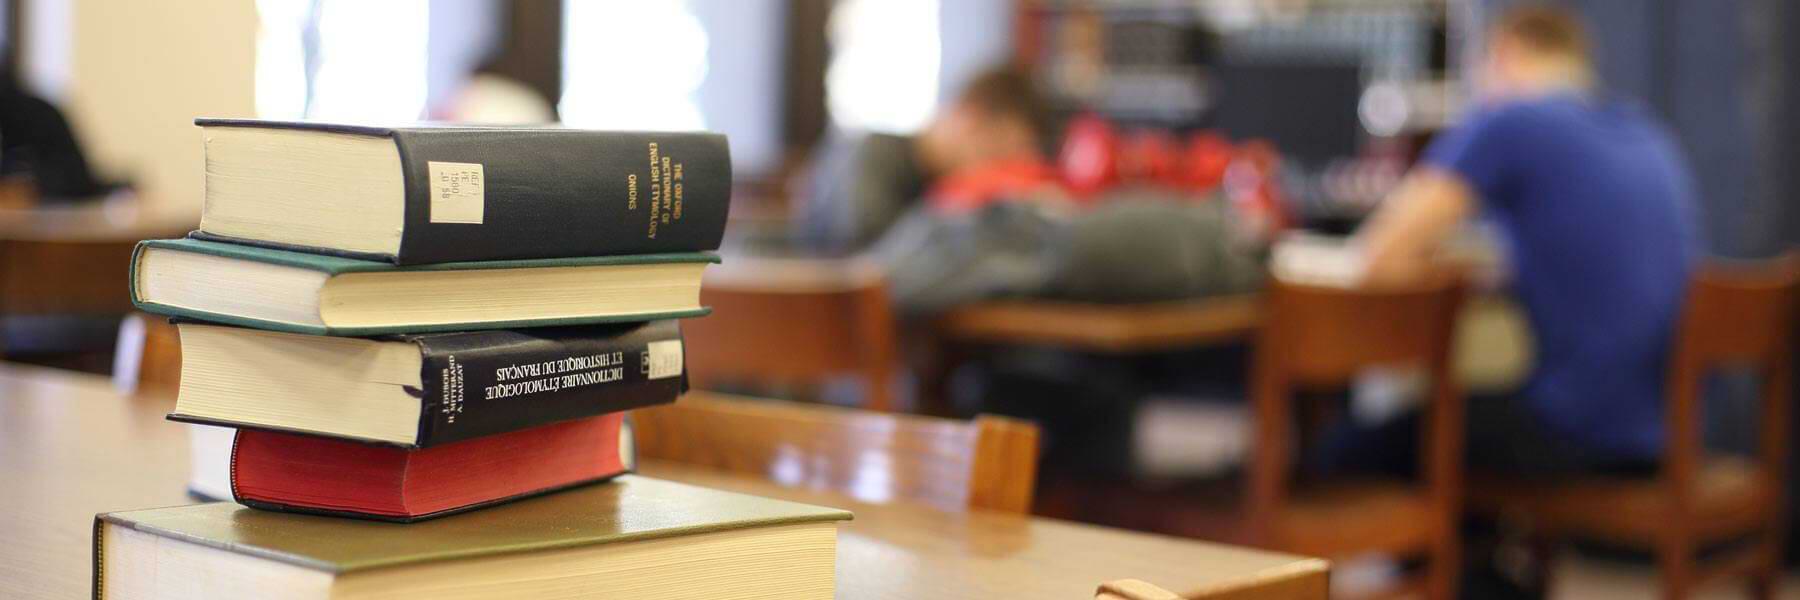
x=309, y=474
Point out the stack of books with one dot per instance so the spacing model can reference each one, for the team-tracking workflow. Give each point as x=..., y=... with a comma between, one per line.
x=403, y=324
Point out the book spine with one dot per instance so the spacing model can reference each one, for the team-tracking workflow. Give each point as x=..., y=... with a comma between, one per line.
x=498, y=194
x=483, y=383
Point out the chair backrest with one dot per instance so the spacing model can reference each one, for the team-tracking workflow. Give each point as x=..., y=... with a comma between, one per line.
x=794, y=322
x=989, y=463
x=1736, y=315
x=147, y=357
x=1316, y=336
x=1325, y=336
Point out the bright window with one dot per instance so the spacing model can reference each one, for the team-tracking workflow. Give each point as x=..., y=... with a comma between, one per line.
x=632, y=65
x=342, y=60
x=883, y=74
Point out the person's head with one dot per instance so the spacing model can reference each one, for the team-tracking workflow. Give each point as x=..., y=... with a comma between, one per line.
x=1537, y=49
x=996, y=117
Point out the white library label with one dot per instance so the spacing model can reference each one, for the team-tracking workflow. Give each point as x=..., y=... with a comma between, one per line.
x=457, y=192
x=663, y=359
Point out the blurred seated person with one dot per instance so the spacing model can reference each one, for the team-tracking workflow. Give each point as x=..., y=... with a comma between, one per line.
x=970, y=210
x=36, y=142
x=863, y=182
x=1597, y=206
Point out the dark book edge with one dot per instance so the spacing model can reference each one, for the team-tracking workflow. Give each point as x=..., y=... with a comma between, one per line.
x=326, y=512
x=205, y=236
x=518, y=324
x=188, y=315
x=338, y=265
x=344, y=128
x=368, y=130
x=99, y=560
x=201, y=316
x=197, y=420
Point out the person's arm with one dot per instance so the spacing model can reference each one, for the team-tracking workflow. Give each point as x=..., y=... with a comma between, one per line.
x=1399, y=242
x=1465, y=167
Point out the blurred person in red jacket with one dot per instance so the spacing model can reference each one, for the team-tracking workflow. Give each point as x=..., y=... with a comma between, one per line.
x=986, y=143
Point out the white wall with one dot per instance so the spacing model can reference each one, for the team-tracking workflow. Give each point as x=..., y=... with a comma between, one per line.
x=137, y=75
x=742, y=92
x=975, y=35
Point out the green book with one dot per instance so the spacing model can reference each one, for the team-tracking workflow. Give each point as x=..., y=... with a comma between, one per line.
x=634, y=537
x=298, y=292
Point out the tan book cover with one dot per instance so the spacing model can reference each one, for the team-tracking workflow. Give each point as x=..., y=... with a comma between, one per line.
x=630, y=508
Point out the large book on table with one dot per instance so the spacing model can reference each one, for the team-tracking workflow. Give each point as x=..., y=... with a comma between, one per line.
x=418, y=195
x=328, y=295
x=423, y=390
x=634, y=537
x=316, y=475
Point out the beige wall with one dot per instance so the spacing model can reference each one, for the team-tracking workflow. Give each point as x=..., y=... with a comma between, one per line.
x=139, y=72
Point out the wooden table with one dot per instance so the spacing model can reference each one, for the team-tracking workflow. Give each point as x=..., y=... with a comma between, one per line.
x=74, y=260
x=1493, y=344
x=1089, y=326
x=70, y=447
x=1110, y=328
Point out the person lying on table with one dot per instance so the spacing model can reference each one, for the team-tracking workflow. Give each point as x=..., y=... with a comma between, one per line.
x=1596, y=203
x=864, y=182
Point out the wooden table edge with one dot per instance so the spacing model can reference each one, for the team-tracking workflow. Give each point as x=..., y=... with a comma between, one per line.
x=1306, y=579
x=1111, y=328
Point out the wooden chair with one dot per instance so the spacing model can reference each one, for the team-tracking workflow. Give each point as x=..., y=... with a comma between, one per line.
x=794, y=322
x=147, y=358
x=990, y=463
x=1322, y=338
x=1734, y=317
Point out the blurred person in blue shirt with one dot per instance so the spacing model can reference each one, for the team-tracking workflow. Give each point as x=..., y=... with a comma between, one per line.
x=1595, y=203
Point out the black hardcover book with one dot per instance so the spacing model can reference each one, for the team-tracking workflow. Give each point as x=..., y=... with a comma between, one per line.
x=424, y=390
x=419, y=195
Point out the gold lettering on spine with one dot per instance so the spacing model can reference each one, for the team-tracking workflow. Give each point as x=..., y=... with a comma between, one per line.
x=656, y=189
x=666, y=193
x=677, y=192
x=667, y=184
